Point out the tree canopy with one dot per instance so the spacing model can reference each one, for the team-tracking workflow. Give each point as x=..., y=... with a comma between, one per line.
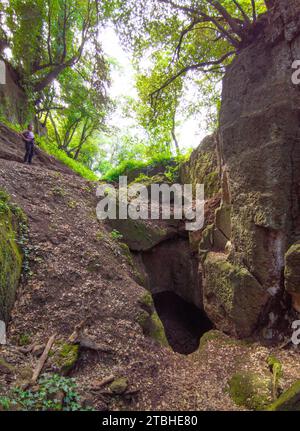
x=184, y=41
x=55, y=46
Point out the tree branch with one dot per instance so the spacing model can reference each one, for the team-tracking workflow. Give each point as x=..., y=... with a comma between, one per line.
x=228, y=18
x=189, y=68
x=245, y=16
x=254, y=10
x=206, y=18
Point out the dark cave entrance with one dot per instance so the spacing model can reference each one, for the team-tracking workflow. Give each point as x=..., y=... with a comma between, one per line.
x=184, y=323
x=171, y=274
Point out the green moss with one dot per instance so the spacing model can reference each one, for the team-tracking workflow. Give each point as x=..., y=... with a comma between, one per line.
x=64, y=356
x=276, y=369
x=24, y=340
x=153, y=327
x=233, y=289
x=147, y=302
x=157, y=330
x=119, y=386
x=11, y=257
x=250, y=390
x=289, y=400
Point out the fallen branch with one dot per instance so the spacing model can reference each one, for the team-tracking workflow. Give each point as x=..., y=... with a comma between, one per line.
x=86, y=343
x=42, y=360
x=103, y=382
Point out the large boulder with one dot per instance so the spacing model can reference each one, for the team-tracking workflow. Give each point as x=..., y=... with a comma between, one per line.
x=233, y=298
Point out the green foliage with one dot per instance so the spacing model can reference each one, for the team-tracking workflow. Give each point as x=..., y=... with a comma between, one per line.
x=289, y=400
x=116, y=235
x=276, y=369
x=46, y=396
x=180, y=52
x=24, y=339
x=5, y=403
x=162, y=159
x=60, y=155
x=187, y=45
x=55, y=48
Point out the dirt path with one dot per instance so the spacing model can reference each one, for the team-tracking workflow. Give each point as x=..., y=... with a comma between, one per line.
x=78, y=272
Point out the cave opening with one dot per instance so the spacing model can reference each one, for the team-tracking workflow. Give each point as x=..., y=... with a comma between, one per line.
x=184, y=323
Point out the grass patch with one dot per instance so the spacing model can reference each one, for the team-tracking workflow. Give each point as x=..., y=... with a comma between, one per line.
x=60, y=155
x=128, y=166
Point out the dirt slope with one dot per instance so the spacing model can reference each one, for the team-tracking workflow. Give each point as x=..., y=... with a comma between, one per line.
x=79, y=273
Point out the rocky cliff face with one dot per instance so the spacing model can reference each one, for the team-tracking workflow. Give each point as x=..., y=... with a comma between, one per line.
x=259, y=154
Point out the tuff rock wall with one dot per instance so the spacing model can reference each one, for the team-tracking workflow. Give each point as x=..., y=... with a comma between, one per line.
x=250, y=256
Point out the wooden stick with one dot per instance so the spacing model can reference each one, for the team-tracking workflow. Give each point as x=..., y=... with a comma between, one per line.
x=42, y=360
x=103, y=382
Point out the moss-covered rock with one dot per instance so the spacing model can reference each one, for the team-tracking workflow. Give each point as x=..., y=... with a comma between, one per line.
x=64, y=356
x=10, y=254
x=119, y=386
x=140, y=235
x=250, y=390
x=147, y=303
x=150, y=322
x=289, y=400
x=233, y=298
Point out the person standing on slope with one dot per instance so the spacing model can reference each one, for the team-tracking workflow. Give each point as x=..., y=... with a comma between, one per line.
x=28, y=138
